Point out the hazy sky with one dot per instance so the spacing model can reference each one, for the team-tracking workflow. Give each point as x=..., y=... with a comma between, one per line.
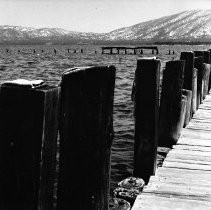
x=90, y=15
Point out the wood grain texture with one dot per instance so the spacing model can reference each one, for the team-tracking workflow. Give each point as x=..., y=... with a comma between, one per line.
x=147, y=82
x=86, y=137
x=171, y=104
x=28, y=133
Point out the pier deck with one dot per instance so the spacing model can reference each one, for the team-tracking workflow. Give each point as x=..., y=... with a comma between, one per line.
x=135, y=50
x=184, y=180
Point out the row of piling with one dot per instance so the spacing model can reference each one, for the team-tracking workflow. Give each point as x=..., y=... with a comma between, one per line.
x=108, y=50
x=78, y=116
x=54, y=51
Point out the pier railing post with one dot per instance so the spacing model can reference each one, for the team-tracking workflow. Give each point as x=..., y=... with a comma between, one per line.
x=28, y=133
x=147, y=81
x=86, y=137
x=171, y=105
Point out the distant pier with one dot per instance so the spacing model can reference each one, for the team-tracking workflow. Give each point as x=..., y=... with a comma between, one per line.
x=126, y=50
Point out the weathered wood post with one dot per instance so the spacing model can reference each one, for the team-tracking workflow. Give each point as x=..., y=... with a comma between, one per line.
x=206, y=73
x=205, y=79
x=198, y=64
x=188, y=94
x=86, y=137
x=188, y=57
x=194, y=91
x=209, y=87
x=147, y=82
x=28, y=133
x=171, y=105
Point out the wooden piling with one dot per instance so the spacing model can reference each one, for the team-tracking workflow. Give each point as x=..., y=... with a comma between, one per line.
x=188, y=57
x=147, y=82
x=205, y=79
x=206, y=56
x=171, y=107
x=198, y=64
x=28, y=133
x=194, y=91
x=199, y=54
x=86, y=138
x=188, y=112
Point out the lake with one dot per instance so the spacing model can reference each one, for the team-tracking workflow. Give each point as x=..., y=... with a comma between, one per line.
x=45, y=64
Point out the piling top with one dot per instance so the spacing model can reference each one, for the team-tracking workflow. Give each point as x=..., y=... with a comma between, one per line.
x=29, y=85
x=23, y=83
x=83, y=68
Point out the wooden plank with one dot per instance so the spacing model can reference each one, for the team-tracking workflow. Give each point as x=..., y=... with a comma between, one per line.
x=192, y=147
x=162, y=171
x=180, y=181
x=181, y=165
x=189, y=156
x=196, y=133
x=189, y=152
x=193, y=192
x=188, y=161
x=166, y=202
x=194, y=141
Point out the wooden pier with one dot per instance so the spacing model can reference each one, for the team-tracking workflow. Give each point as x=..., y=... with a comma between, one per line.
x=126, y=50
x=184, y=180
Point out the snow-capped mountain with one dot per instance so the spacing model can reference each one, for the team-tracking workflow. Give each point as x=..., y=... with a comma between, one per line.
x=29, y=34
x=192, y=25
x=188, y=25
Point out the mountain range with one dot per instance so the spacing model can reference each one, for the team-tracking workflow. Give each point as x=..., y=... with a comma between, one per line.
x=187, y=26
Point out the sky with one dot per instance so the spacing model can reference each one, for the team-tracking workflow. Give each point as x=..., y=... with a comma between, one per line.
x=90, y=15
